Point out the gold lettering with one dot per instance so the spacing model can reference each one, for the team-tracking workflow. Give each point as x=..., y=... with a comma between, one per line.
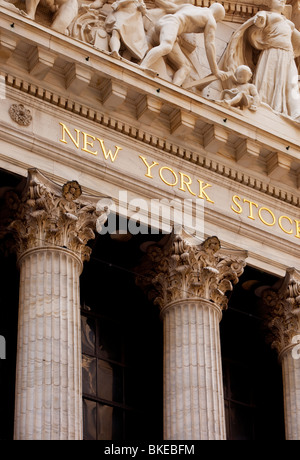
x=250, y=208
x=65, y=130
x=202, y=193
x=164, y=180
x=86, y=143
x=264, y=221
x=240, y=209
x=297, y=228
x=148, y=166
x=280, y=224
x=109, y=153
x=187, y=183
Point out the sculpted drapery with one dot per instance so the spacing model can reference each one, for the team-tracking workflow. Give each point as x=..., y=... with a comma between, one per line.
x=268, y=43
x=275, y=73
x=126, y=13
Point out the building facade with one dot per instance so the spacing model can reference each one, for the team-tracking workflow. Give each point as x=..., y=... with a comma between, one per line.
x=150, y=225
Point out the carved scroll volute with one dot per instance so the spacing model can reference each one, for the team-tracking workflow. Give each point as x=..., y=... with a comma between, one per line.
x=46, y=214
x=177, y=270
x=282, y=312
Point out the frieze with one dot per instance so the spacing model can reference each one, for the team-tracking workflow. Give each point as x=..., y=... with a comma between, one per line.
x=166, y=42
x=200, y=159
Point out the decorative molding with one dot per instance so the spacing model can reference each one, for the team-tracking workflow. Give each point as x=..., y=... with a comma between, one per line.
x=45, y=214
x=20, y=114
x=8, y=45
x=40, y=62
x=180, y=268
x=162, y=144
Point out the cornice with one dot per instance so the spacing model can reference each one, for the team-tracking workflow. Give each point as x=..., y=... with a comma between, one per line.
x=217, y=167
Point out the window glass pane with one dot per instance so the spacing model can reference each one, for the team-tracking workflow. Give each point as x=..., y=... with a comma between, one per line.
x=89, y=419
x=88, y=334
x=110, y=423
x=88, y=375
x=110, y=381
x=110, y=340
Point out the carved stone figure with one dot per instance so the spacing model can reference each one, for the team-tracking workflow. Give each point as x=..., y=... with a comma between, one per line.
x=11, y=7
x=275, y=72
x=64, y=12
x=244, y=94
x=181, y=19
x=89, y=27
x=125, y=23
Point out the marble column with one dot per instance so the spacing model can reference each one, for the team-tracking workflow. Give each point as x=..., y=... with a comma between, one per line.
x=51, y=228
x=189, y=281
x=282, y=314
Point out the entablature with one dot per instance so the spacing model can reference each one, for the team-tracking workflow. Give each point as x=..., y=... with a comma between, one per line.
x=257, y=149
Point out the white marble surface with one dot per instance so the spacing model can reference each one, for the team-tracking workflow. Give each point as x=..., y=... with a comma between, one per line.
x=193, y=386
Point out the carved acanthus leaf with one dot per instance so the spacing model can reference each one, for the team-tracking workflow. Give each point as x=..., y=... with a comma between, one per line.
x=282, y=311
x=45, y=214
x=177, y=270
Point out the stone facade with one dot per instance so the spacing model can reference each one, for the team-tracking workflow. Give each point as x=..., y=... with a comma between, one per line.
x=99, y=117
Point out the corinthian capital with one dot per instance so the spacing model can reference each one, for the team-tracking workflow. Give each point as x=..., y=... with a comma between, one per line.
x=282, y=311
x=181, y=268
x=46, y=214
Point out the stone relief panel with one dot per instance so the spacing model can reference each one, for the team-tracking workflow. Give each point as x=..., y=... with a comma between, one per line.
x=192, y=46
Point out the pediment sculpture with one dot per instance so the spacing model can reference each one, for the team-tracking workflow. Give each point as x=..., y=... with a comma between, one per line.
x=258, y=66
x=269, y=43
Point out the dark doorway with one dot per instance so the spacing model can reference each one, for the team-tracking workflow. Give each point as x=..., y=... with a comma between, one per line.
x=251, y=371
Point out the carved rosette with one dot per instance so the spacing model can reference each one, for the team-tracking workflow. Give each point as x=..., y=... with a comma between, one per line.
x=20, y=114
x=282, y=315
x=179, y=270
x=45, y=214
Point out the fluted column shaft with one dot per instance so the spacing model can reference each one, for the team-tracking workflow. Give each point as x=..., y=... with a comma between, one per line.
x=189, y=281
x=51, y=226
x=291, y=392
x=193, y=387
x=48, y=374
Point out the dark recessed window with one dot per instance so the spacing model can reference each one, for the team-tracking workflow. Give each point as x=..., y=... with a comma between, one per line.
x=121, y=350
x=252, y=375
